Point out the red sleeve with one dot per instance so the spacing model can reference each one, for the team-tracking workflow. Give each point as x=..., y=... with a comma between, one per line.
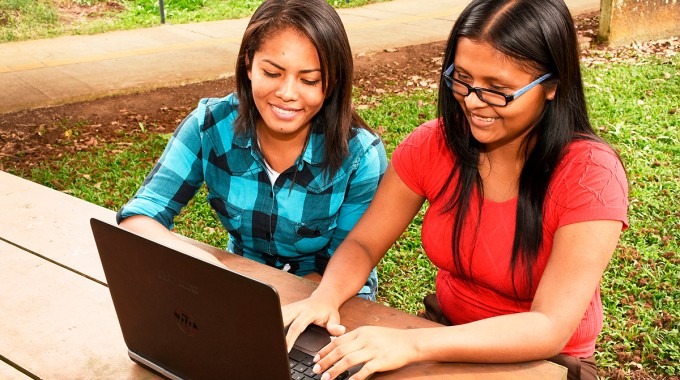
x=420, y=156
x=590, y=184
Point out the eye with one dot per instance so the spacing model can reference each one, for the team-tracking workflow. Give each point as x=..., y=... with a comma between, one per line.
x=462, y=77
x=312, y=83
x=497, y=87
x=270, y=75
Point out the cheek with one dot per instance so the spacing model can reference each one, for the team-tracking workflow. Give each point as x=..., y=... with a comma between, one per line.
x=520, y=118
x=260, y=88
x=314, y=98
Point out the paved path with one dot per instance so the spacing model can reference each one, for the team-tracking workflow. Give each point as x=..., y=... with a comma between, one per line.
x=75, y=68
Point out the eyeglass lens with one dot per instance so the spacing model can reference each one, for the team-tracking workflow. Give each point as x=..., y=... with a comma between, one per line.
x=486, y=96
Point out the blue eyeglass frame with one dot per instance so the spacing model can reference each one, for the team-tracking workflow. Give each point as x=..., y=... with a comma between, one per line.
x=479, y=91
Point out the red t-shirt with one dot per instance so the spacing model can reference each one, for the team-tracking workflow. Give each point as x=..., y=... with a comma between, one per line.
x=588, y=184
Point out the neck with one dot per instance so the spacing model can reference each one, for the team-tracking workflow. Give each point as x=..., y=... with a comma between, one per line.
x=500, y=170
x=281, y=151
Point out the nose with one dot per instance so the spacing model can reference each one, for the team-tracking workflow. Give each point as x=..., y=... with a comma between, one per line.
x=472, y=100
x=287, y=90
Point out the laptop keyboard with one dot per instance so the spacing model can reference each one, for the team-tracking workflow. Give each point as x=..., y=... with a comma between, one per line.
x=301, y=367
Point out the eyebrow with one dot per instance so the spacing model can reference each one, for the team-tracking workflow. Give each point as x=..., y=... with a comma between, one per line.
x=283, y=68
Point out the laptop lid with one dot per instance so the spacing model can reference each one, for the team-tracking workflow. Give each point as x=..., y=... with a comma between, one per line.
x=183, y=317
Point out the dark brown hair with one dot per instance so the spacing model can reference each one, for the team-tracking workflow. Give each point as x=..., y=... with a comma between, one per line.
x=539, y=34
x=319, y=22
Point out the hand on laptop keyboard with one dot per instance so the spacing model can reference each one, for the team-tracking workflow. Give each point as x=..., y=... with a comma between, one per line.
x=301, y=367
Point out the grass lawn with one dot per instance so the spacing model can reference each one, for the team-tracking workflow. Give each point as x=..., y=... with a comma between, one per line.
x=634, y=106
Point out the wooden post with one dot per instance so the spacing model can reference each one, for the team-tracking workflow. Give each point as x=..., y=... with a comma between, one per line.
x=160, y=3
x=625, y=21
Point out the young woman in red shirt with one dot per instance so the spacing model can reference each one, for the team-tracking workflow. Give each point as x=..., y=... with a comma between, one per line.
x=526, y=207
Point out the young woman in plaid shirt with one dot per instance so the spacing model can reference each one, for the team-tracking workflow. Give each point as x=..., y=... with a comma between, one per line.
x=288, y=164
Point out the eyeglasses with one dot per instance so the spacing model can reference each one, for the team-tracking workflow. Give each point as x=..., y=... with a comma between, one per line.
x=494, y=98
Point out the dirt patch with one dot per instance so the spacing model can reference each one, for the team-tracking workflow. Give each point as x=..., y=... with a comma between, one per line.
x=31, y=137
x=72, y=14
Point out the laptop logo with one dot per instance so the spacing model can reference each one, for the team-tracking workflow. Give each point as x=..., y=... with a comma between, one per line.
x=186, y=322
x=167, y=277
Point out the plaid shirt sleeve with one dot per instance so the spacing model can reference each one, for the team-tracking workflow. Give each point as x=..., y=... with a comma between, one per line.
x=177, y=175
x=368, y=169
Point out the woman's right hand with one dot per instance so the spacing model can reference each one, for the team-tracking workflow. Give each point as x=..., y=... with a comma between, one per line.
x=299, y=315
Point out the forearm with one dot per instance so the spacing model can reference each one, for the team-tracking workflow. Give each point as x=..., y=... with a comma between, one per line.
x=503, y=339
x=345, y=274
x=151, y=229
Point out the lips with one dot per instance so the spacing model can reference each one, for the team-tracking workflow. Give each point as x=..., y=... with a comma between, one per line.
x=481, y=121
x=285, y=113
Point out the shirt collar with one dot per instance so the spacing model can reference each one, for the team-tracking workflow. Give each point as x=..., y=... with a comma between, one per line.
x=313, y=153
x=243, y=140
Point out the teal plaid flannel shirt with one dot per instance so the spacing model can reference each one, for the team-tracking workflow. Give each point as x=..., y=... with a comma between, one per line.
x=293, y=226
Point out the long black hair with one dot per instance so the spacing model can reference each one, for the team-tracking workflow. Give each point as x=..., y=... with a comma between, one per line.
x=540, y=35
x=319, y=22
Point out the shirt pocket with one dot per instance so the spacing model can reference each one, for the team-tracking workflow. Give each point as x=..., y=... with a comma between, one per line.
x=314, y=235
x=230, y=216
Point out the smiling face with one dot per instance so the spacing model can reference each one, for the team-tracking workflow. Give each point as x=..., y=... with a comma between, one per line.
x=480, y=65
x=286, y=82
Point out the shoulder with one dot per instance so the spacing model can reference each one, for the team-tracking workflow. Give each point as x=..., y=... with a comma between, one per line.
x=425, y=141
x=591, y=156
x=429, y=133
x=228, y=103
x=365, y=143
x=586, y=150
x=590, y=183
x=214, y=111
x=423, y=161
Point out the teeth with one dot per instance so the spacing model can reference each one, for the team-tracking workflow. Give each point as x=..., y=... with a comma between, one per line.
x=281, y=110
x=487, y=119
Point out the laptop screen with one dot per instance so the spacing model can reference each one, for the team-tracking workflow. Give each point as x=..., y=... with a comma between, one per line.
x=184, y=317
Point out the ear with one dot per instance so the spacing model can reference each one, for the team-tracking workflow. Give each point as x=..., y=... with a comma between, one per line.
x=249, y=68
x=550, y=92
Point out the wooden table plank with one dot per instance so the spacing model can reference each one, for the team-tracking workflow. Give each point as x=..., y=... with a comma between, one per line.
x=50, y=223
x=7, y=372
x=57, y=324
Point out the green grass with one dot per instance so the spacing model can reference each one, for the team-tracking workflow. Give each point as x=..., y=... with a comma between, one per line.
x=35, y=19
x=21, y=18
x=634, y=107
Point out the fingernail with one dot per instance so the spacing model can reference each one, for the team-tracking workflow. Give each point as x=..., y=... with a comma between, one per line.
x=325, y=376
x=317, y=357
x=316, y=368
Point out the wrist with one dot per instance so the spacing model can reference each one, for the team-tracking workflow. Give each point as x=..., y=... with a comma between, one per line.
x=417, y=345
x=330, y=298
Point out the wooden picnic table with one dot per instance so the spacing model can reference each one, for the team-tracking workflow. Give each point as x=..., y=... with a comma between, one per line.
x=59, y=322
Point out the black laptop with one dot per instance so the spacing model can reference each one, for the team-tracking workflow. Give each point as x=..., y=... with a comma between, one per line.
x=185, y=318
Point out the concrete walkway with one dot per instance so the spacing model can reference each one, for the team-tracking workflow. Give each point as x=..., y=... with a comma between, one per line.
x=62, y=70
